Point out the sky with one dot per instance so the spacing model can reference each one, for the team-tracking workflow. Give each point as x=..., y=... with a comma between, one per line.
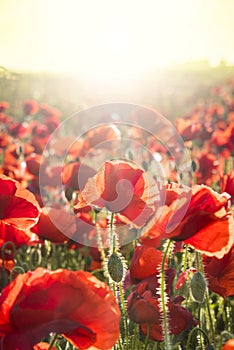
x=108, y=39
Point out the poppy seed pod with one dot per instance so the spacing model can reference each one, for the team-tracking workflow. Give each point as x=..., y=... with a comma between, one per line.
x=198, y=287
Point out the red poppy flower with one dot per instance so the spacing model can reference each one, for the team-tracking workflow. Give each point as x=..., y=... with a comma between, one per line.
x=75, y=149
x=227, y=184
x=49, y=175
x=188, y=128
x=40, y=136
x=84, y=221
x=208, y=166
x=100, y=135
x=52, y=123
x=221, y=136
x=3, y=106
x=229, y=345
x=220, y=273
x=145, y=262
x=122, y=188
x=5, y=139
x=30, y=107
x=72, y=303
x=55, y=225
x=207, y=225
x=14, y=165
x=15, y=150
x=18, y=129
x=49, y=112
x=34, y=162
x=216, y=110
x=183, y=277
x=144, y=307
x=75, y=175
x=18, y=212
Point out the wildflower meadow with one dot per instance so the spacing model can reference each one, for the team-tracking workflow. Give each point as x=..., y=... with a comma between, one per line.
x=116, y=222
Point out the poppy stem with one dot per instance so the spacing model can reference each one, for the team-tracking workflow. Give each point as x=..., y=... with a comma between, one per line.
x=185, y=258
x=228, y=313
x=164, y=299
x=19, y=270
x=210, y=319
x=147, y=337
x=122, y=300
x=112, y=220
x=100, y=245
x=196, y=329
x=116, y=273
x=200, y=268
x=54, y=338
x=136, y=336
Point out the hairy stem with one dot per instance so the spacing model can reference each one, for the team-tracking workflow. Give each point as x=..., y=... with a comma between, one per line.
x=164, y=300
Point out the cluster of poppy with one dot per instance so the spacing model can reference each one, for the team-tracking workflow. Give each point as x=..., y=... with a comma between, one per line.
x=75, y=303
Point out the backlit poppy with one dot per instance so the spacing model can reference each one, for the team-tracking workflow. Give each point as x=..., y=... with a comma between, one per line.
x=122, y=188
x=55, y=225
x=208, y=167
x=30, y=107
x=34, y=162
x=183, y=277
x=52, y=123
x=145, y=262
x=40, y=136
x=5, y=139
x=220, y=273
x=207, y=224
x=227, y=184
x=3, y=106
x=48, y=111
x=188, y=129
x=101, y=135
x=72, y=303
x=75, y=175
x=229, y=345
x=18, y=212
x=18, y=129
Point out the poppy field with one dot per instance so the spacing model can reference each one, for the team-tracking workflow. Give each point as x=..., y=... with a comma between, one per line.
x=116, y=225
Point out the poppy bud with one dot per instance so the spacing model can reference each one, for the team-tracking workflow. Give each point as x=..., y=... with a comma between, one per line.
x=115, y=267
x=198, y=287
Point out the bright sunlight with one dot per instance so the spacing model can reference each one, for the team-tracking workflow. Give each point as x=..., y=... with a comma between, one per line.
x=113, y=41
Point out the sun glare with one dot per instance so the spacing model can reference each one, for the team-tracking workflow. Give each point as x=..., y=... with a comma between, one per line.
x=113, y=41
x=109, y=43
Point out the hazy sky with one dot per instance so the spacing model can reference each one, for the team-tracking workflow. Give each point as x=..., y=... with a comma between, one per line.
x=113, y=38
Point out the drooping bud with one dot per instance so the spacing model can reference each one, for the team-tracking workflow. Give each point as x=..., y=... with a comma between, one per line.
x=198, y=287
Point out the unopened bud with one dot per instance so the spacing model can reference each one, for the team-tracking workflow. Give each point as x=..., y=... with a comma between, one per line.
x=115, y=267
x=198, y=287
